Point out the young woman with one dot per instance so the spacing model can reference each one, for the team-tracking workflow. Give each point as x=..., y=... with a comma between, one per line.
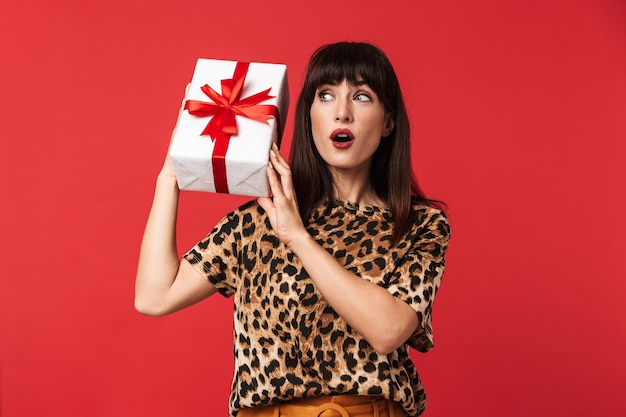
x=334, y=276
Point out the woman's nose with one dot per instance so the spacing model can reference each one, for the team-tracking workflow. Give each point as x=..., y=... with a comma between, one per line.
x=343, y=111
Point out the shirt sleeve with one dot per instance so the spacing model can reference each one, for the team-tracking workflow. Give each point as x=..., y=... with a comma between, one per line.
x=216, y=256
x=419, y=272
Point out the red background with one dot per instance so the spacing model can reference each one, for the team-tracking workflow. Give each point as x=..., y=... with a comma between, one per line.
x=519, y=119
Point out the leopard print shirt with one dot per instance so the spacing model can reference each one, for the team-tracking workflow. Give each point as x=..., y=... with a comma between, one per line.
x=289, y=343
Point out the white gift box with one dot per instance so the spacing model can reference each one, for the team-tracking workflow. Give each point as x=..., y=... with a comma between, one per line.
x=247, y=154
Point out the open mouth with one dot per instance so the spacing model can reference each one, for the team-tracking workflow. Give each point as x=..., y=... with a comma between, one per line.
x=342, y=138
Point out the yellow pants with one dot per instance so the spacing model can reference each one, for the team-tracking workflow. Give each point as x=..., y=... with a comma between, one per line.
x=329, y=406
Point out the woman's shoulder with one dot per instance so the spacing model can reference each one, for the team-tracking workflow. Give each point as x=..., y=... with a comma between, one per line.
x=424, y=208
x=250, y=211
x=430, y=215
x=247, y=220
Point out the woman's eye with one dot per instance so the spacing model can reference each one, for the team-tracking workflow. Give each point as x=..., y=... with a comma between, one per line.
x=325, y=96
x=362, y=97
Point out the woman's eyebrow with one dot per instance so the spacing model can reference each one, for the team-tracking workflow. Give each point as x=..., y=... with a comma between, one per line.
x=355, y=83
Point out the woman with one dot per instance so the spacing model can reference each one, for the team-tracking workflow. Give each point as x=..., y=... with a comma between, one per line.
x=335, y=275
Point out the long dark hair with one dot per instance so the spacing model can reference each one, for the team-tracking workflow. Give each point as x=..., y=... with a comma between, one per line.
x=391, y=175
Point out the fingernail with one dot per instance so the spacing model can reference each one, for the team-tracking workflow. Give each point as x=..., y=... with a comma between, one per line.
x=272, y=153
x=270, y=166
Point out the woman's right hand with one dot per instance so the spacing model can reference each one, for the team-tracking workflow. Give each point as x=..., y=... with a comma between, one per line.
x=167, y=170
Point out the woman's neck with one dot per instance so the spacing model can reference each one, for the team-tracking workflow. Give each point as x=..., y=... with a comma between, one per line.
x=355, y=189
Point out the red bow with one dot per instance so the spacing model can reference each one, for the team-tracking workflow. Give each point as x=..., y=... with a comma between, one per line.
x=223, y=124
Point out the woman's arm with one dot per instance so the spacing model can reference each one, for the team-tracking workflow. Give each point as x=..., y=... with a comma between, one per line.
x=164, y=283
x=385, y=321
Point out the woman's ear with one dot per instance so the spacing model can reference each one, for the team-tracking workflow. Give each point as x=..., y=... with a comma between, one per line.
x=389, y=125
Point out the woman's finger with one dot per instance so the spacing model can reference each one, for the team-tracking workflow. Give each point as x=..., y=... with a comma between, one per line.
x=284, y=172
x=279, y=163
x=279, y=157
x=275, y=184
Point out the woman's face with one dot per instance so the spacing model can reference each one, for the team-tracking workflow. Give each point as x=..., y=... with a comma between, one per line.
x=347, y=122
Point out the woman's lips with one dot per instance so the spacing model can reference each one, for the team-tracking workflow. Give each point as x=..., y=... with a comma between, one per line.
x=342, y=138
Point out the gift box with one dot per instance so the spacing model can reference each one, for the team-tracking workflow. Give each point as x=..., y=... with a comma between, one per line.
x=233, y=113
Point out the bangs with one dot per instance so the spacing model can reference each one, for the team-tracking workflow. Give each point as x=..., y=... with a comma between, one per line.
x=353, y=62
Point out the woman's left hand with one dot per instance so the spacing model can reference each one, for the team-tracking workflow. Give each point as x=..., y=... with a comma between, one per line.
x=282, y=208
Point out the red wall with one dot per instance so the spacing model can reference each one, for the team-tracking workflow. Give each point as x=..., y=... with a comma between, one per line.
x=519, y=118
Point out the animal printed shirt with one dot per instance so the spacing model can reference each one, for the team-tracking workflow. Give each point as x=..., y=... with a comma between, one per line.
x=289, y=343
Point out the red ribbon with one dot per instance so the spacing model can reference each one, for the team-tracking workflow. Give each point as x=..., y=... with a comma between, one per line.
x=224, y=108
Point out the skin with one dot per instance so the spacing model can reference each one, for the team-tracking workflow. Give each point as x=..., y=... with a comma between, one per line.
x=166, y=284
x=356, y=109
